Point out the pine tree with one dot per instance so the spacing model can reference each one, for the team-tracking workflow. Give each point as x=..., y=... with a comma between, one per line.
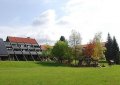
x=108, y=52
x=112, y=50
x=115, y=51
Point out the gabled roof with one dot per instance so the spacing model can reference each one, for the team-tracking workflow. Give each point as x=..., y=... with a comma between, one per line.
x=27, y=40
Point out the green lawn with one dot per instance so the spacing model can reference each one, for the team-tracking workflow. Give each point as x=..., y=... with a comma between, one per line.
x=35, y=73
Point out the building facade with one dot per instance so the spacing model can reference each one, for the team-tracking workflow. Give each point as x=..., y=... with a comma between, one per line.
x=19, y=49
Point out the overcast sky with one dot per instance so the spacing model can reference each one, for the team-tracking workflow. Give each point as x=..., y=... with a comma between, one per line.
x=47, y=20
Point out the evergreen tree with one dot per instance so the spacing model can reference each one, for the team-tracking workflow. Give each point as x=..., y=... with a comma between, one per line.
x=115, y=51
x=62, y=38
x=108, y=52
x=112, y=50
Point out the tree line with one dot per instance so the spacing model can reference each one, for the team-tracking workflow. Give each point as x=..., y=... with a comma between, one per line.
x=71, y=52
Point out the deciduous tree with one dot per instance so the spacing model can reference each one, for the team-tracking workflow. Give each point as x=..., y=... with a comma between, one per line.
x=75, y=42
x=98, y=48
x=94, y=50
x=88, y=50
x=47, y=53
x=61, y=50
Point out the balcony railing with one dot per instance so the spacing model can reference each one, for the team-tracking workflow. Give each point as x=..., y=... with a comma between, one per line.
x=23, y=47
x=33, y=53
x=7, y=44
x=39, y=53
x=37, y=49
x=31, y=48
x=26, y=52
x=15, y=47
x=18, y=52
x=10, y=52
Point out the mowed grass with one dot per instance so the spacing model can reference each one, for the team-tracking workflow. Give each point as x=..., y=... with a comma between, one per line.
x=35, y=73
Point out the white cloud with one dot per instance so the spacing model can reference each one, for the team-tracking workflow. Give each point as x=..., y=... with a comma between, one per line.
x=45, y=29
x=86, y=16
x=91, y=16
x=47, y=17
x=39, y=34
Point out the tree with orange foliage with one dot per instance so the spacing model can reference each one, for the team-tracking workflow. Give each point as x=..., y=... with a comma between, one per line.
x=88, y=52
x=89, y=49
x=94, y=50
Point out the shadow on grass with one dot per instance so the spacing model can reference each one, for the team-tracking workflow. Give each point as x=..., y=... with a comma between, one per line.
x=56, y=64
x=51, y=64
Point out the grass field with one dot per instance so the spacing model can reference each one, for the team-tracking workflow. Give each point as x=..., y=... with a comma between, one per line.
x=35, y=73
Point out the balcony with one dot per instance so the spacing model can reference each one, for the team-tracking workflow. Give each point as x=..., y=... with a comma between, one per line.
x=31, y=48
x=10, y=52
x=13, y=44
x=23, y=47
x=18, y=52
x=28, y=45
x=37, y=49
x=21, y=44
x=39, y=53
x=7, y=44
x=36, y=46
x=26, y=52
x=33, y=53
x=15, y=47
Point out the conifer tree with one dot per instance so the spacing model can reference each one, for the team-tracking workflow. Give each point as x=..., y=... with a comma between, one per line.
x=108, y=52
x=115, y=51
x=112, y=50
x=62, y=38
